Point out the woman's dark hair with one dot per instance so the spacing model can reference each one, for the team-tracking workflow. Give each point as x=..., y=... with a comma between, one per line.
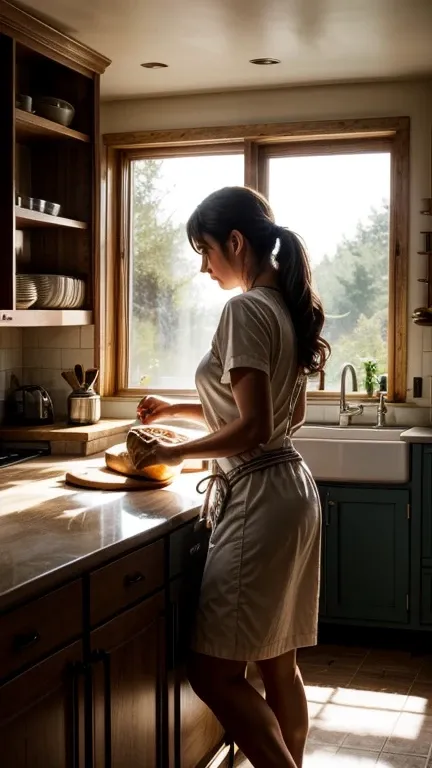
x=248, y=212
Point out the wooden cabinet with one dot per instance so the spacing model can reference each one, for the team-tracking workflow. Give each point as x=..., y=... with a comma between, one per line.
x=118, y=696
x=42, y=714
x=128, y=676
x=43, y=162
x=367, y=549
x=195, y=736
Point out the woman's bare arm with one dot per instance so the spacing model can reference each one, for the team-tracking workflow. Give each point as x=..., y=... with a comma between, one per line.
x=188, y=411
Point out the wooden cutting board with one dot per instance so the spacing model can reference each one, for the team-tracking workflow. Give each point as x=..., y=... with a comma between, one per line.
x=99, y=478
x=118, y=461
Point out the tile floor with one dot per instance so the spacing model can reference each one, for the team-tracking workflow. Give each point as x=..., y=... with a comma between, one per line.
x=367, y=708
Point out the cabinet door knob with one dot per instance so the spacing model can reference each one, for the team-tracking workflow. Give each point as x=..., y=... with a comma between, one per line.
x=133, y=578
x=331, y=503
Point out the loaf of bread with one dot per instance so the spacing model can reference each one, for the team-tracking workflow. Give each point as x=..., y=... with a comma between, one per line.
x=117, y=458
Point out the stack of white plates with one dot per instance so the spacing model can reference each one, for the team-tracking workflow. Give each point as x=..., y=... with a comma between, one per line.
x=59, y=292
x=26, y=291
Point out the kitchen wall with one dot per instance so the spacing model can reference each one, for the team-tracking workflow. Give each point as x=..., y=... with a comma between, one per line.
x=46, y=352
x=10, y=361
x=413, y=99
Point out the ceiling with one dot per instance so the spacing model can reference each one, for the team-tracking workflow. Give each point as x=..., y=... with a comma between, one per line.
x=208, y=43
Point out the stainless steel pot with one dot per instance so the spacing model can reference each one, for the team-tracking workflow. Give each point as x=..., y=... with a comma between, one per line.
x=84, y=408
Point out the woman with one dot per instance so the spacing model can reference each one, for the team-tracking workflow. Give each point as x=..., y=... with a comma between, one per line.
x=259, y=595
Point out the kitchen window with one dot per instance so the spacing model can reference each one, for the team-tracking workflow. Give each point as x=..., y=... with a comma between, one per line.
x=345, y=194
x=173, y=308
x=339, y=202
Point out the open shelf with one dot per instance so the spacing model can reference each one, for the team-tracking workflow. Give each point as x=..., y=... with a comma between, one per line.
x=26, y=219
x=33, y=318
x=29, y=126
x=42, y=158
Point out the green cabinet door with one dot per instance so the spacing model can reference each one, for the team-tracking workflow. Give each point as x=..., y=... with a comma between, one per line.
x=426, y=502
x=426, y=596
x=367, y=554
x=323, y=494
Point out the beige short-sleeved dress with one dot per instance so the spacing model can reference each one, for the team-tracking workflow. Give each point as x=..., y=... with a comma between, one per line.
x=259, y=595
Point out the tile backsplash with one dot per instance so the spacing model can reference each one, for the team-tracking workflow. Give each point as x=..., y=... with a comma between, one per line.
x=46, y=352
x=10, y=361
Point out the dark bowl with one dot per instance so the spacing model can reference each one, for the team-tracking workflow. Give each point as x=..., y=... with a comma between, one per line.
x=57, y=110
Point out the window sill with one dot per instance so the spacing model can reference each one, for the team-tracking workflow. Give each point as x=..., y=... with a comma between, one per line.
x=313, y=397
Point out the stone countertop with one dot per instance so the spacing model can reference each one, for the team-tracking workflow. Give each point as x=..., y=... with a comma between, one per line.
x=417, y=435
x=51, y=532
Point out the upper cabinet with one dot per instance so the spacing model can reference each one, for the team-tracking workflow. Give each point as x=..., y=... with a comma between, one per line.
x=50, y=183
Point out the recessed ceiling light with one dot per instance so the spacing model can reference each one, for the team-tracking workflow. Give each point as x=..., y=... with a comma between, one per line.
x=154, y=65
x=266, y=62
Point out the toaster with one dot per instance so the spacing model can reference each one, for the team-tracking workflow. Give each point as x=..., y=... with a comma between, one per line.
x=29, y=405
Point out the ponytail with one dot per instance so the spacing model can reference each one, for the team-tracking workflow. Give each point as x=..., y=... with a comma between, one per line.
x=307, y=314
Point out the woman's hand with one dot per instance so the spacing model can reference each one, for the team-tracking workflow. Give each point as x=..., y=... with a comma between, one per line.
x=162, y=453
x=148, y=453
x=151, y=409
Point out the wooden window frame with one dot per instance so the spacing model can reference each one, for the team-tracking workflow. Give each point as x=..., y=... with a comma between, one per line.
x=258, y=142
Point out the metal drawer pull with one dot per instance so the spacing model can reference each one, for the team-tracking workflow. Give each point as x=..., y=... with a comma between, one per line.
x=133, y=578
x=22, y=642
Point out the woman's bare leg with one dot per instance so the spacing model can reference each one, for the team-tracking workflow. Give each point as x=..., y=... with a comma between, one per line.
x=245, y=715
x=285, y=694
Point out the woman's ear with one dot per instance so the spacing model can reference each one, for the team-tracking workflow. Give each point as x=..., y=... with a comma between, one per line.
x=237, y=242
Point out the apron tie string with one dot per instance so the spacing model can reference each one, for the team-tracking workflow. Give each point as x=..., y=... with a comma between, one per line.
x=219, y=484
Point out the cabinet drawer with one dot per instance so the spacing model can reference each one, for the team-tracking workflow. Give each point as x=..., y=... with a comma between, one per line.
x=30, y=632
x=121, y=583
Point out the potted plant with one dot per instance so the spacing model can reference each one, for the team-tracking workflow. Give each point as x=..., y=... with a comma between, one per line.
x=371, y=376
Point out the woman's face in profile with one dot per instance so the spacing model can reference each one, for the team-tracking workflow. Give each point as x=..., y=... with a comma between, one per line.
x=221, y=266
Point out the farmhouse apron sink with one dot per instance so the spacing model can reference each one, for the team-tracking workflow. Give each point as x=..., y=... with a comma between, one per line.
x=354, y=454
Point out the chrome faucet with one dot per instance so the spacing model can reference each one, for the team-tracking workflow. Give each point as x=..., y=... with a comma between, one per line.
x=347, y=411
x=381, y=412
